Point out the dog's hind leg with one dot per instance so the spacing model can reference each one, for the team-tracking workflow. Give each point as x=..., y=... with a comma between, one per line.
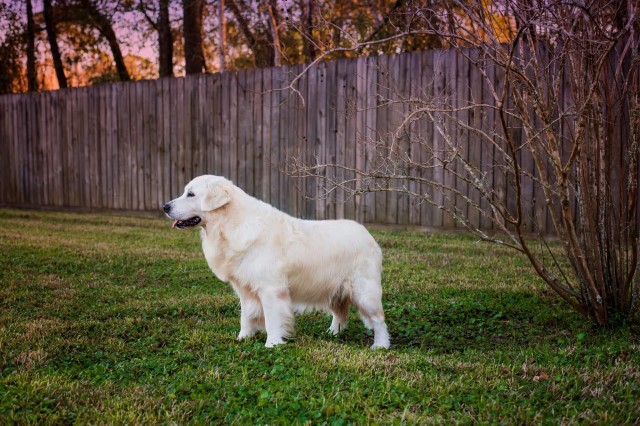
x=278, y=314
x=340, y=311
x=367, y=298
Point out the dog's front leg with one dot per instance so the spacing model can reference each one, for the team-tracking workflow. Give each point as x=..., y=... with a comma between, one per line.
x=251, y=315
x=278, y=314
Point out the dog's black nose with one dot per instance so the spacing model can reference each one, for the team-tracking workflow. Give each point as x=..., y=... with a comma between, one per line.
x=167, y=207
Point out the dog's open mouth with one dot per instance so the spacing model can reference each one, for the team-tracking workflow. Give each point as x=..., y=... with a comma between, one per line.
x=186, y=223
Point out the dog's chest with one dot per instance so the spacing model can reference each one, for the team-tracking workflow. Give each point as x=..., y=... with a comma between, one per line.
x=213, y=246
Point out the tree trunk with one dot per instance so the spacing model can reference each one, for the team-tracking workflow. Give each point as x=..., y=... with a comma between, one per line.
x=106, y=29
x=165, y=41
x=53, y=43
x=31, y=50
x=307, y=26
x=272, y=7
x=193, y=53
x=222, y=35
x=263, y=52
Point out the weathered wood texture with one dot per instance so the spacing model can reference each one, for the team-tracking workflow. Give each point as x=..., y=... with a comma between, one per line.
x=132, y=146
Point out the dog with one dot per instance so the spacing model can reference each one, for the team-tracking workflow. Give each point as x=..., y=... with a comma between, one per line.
x=277, y=263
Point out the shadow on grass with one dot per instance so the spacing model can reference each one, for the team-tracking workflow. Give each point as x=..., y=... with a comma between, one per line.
x=461, y=320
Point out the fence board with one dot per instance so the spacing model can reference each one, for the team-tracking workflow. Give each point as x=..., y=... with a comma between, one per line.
x=299, y=143
x=244, y=120
x=371, y=135
x=266, y=133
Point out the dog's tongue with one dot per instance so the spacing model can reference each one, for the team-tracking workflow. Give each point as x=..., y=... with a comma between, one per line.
x=175, y=224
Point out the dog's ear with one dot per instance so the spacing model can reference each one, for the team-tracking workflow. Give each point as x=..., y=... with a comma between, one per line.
x=217, y=195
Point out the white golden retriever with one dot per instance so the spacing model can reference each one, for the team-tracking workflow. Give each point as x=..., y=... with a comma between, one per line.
x=275, y=262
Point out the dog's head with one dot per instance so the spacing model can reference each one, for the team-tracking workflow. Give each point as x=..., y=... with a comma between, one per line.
x=202, y=195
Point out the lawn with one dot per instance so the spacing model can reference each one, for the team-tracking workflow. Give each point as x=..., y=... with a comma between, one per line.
x=117, y=319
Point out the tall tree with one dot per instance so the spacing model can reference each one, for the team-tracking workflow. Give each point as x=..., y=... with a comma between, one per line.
x=222, y=35
x=53, y=43
x=12, y=50
x=193, y=52
x=165, y=40
x=274, y=28
x=31, y=50
x=257, y=36
x=306, y=18
x=103, y=24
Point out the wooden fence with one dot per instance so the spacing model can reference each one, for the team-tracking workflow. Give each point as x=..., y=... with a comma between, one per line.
x=133, y=146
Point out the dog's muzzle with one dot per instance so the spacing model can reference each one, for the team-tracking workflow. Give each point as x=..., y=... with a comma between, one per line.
x=181, y=223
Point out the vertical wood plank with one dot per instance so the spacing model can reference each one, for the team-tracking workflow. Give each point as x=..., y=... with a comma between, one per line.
x=371, y=136
x=498, y=160
x=416, y=137
x=210, y=119
x=103, y=174
x=94, y=150
x=462, y=135
x=340, y=134
x=244, y=118
x=189, y=92
x=15, y=176
x=402, y=77
x=474, y=141
x=117, y=146
x=360, y=133
x=135, y=124
x=155, y=137
x=266, y=133
x=274, y=151
x=25, y=146
x=200, y=141
x=301, y=142
x=151, y=143
x=5, y=152
x=256, y=143
x=285, y=135
x=178, y=156
x=311, y=141
x=487, y=146
x=43, y=143
x=350, y=140
x=73, y=178
x=218, y=127
x=449, y=178
x=128, y=165
x=321, y=136
x=382, y=127
x=233, y=126
x=331, y=136
x=291, y=144
x=85, y=147
x=298, y=143
x=426, y=92
x=36, y=172
x=439, y=90
x=225, y=119
x=167, y=141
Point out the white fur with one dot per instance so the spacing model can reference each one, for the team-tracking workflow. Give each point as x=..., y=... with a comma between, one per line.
x=275, y=262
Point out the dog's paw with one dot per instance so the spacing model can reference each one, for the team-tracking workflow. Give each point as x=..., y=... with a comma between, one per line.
x=246, y=334
x=383, y=345
x=335, y=329
x=274, y=342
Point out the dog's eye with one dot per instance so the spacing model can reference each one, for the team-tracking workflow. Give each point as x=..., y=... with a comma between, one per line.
x=190, y=194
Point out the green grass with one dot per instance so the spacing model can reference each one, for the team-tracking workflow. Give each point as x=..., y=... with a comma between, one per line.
x=115, y=319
